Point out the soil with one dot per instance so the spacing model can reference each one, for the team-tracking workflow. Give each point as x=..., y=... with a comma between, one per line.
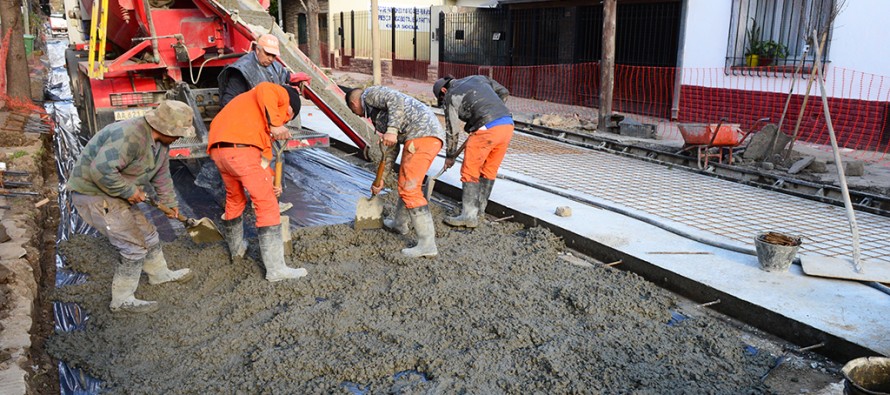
x=497, y=311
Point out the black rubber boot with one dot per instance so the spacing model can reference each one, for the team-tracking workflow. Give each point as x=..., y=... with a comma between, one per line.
x=272, y=251
x=426, y=233
x=469, y=214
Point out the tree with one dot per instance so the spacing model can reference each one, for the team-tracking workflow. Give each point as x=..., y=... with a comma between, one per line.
x=18, y=82
x=312, y=11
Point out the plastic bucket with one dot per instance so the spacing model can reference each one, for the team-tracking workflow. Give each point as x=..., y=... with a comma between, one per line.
x=867, y=376
x=775, y=257
x=29, y=44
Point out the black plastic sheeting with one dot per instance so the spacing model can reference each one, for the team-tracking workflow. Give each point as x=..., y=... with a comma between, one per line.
x=68, y=143
x=323, y=188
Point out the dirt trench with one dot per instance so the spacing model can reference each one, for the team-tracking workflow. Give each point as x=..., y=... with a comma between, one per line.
x=497, y=312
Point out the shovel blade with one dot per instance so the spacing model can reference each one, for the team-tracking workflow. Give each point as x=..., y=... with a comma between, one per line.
x=430, y=185
x=204, y=231
x=369, y=213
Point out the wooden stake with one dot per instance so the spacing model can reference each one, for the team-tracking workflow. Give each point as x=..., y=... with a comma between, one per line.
x=842, y=179
x=607, y=65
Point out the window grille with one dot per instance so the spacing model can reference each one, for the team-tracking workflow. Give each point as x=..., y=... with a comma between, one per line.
x=775, y=32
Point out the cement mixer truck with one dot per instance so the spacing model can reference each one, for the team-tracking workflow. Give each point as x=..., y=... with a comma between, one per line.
x=135, y=53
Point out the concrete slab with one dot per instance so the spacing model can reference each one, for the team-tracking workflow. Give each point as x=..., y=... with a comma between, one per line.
x=810, y=308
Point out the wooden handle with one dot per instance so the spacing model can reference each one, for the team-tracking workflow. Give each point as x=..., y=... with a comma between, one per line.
x=378, y=180
x=278, y=169
x=166, y=209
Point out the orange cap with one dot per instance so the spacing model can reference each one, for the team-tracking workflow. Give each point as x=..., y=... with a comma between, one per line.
x=269, y=43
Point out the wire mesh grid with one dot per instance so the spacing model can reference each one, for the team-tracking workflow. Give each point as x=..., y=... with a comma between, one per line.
x=728, y=209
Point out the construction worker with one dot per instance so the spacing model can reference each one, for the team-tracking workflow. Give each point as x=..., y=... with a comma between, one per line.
x=479, y=102
x=251, y=69
x=240, y=143
x=107, y=182
x=404, y=120
x=257, y=66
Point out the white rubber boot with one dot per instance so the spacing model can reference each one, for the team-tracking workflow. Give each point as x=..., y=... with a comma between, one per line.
x=398, y=223
x=233, y=231
x=272, y=251
x=469, y=213
x=426, y=234
x=156, y=268
x=123, y=289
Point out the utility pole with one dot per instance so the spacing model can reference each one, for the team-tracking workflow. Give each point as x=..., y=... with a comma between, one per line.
x=375, y=42
x=607, y=63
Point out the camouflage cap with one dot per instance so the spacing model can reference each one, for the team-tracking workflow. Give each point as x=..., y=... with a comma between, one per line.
x=172, y=118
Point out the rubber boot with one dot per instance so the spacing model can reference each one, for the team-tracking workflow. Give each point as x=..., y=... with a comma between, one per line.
x=233, y=231
x=485, y=186
x=426, y=233
x=123, y=288
x=398, y=222
x=272, y=251
x=156, y=268
x=469, y=213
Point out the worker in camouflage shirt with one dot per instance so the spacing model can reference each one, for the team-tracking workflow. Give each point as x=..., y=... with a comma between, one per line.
x=107, y=182
x=404, y=120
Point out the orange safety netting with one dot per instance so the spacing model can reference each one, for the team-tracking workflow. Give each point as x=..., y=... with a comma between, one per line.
x=859, y=102
x=21, y=106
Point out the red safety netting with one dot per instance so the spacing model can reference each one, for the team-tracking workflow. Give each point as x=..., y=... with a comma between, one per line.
x=859, y=102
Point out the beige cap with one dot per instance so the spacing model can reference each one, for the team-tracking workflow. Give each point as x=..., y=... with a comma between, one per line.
x=269, y=43
x=172, y=118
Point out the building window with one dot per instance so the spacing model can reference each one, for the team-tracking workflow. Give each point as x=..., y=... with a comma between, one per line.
x=769, y=37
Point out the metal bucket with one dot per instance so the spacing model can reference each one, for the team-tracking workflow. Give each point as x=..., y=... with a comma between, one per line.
x=867, y=376
x=775, y=257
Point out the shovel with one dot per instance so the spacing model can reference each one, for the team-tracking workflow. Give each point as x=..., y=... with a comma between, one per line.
x=369, y=211
x=201, y=230
x=431, y=183
x=279, y=173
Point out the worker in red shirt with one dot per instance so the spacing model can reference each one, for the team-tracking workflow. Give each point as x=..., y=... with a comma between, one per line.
x=240, y=143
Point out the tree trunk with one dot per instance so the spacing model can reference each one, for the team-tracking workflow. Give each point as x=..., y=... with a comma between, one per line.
x=312, y=27
x=18, y=83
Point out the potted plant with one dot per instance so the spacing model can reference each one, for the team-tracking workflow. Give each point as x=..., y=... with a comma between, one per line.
x=770, y=51
x=755, y=46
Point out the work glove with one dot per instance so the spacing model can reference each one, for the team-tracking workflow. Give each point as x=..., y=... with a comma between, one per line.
x=297, y=78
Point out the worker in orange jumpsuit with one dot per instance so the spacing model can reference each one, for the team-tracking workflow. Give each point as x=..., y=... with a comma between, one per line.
x=404, y=120
x=240, y=143
x=478, y=102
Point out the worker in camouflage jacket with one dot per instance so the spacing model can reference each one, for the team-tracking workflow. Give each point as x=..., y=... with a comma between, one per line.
x=404, y=120
x=478, y=101
x=107, y=182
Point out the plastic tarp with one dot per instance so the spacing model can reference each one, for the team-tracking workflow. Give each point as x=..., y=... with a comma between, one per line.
x=323, y=188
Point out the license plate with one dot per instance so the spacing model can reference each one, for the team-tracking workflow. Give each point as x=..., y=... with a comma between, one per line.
x=120, y=115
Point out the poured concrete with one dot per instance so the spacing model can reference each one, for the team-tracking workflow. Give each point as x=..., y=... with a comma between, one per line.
x=849, y=317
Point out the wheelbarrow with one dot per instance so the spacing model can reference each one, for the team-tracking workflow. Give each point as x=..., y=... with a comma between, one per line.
x=702, y=137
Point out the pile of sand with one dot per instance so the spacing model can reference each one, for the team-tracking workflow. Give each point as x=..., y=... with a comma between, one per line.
x=498, y=311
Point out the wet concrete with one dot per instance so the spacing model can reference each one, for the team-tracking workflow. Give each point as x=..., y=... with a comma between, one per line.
x=497, y=312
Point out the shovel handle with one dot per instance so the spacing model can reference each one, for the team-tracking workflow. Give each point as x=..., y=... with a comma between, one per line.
x=378, y=180
x=278, y=169
x=279, y=164
x=166, y=210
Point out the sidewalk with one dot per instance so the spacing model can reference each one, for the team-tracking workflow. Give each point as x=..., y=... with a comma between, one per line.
x=539, y=175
